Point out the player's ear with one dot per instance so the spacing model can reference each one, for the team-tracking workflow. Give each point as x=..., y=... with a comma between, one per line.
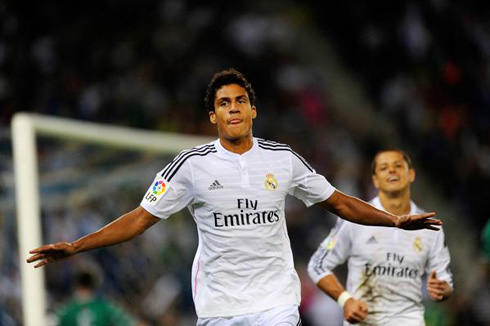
x=411, y=175
x=375, y=181
x=254, y=112
x=212, y=117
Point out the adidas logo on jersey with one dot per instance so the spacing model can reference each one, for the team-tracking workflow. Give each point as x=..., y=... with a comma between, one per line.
x=215, y=185
x=372, y=240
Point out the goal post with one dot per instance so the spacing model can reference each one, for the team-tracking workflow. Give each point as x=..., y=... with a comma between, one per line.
x=25, y=128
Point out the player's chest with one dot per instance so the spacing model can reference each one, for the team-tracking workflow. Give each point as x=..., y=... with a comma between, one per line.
x=243, y=182
x=391, y=246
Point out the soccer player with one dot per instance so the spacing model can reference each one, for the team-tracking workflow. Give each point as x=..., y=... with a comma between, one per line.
x=235, y=188
x=385, y=267
x=87, y=308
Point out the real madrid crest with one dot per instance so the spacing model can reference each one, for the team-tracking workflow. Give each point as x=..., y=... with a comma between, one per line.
x=417, y=244
x=270, y=182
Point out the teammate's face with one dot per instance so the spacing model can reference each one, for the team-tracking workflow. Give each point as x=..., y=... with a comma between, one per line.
x=392, y=173
x=233, y=113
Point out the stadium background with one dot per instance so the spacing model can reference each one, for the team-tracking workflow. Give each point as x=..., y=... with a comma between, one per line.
x=336, y=81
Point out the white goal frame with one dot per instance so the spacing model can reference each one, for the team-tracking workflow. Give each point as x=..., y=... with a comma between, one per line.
x=25, y=128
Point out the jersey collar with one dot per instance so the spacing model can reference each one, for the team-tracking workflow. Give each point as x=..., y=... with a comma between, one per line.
x=376, y=202
x=234, y=156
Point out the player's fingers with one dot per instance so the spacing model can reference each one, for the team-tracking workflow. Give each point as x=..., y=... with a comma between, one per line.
x=361, y=314
x=437, y=296
x=41, y=263
x=353, y=320
x=433, y=274
x=37, y=250
x=44, y=248
x=364, y=308
x=34, y=258
x=425, y=215
x=436, y=286
x=430, y=227
x=437, y=291
x=432, y=221
x=356, y=317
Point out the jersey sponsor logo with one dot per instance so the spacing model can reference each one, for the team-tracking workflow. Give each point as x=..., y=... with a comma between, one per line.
x=390, y=271
x=249, y=214
x=215, y=185
x=270, y=182
x=417, y=244
x=393, y=267
x=245, y=218
x=157, y=189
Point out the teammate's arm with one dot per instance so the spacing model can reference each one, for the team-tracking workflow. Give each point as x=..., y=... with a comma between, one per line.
x=358, y=211
x=355, y=311
x=120, y=230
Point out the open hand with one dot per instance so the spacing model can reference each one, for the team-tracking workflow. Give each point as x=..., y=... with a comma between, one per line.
x=50, y=253
x=355, y=311
x=418, y=222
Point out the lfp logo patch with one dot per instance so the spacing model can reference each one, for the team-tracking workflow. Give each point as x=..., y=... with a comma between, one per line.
x=159, y=188
x=155, y=192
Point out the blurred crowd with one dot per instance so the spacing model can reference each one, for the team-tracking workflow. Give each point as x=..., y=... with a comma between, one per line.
x=426, y=65
x=147, y=64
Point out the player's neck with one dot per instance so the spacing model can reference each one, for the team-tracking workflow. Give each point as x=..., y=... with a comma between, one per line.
x=239, y=145
x=396, y=203
x=84, y=295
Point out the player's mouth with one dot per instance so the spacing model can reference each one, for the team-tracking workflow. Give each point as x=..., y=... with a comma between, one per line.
x=235, y=121
x=393, y=179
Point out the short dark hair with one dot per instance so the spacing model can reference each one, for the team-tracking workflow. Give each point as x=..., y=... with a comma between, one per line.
x=227, y=77
x=406, y=158
x=85, y=279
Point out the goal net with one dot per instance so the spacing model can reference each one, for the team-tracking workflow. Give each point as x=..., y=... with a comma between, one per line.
x=73, y=177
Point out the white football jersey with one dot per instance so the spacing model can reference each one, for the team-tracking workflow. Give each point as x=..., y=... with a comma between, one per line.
x=385, y=267
x=243, y=262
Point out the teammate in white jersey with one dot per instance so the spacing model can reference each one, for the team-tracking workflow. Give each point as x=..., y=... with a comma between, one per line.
x=385, y=267
x=235, y=188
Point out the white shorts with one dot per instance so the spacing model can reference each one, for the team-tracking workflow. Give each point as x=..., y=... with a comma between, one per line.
x=279, y=316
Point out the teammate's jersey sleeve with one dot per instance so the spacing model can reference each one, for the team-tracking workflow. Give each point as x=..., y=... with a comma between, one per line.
x=171, y=190
x=439, y=259
x=333, y=251
x=307, y=185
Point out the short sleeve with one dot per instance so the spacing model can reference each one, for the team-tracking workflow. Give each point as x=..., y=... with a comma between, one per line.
x=307, y=185
x=332, y=252
x=439, y=259
x=170, y=191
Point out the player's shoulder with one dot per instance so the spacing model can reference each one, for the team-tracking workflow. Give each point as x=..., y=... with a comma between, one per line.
x=342, y=225
x=198, y=151
x=272, y=145
x=184, y=157
x=278, y=148
x=201, y=147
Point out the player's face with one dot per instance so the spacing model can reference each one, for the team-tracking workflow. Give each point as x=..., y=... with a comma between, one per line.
x=233, y=113
x=392, y=173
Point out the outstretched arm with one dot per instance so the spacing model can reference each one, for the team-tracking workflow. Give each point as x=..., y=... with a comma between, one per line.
x=355, y=311
x=358, y=211
x=120, y=230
